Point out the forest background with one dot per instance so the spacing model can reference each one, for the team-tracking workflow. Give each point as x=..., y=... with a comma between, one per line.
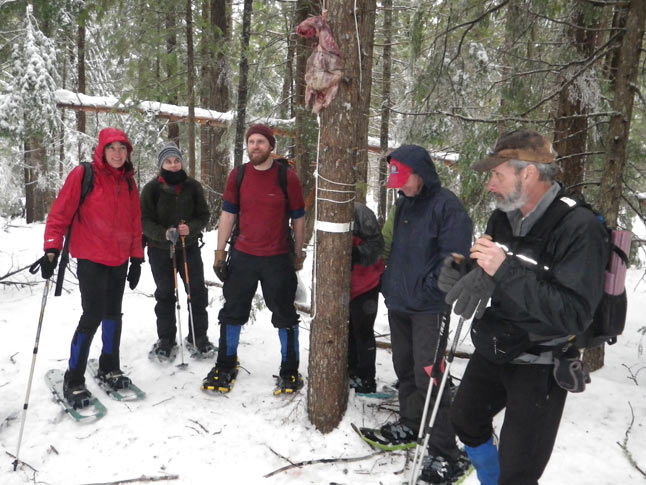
x=448, y=75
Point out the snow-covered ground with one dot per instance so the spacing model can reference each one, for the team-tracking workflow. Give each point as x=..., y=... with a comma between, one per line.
x=181, y=431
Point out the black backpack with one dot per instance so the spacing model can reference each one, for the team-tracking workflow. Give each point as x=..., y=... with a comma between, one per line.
x=283, y=165
x=609, y=318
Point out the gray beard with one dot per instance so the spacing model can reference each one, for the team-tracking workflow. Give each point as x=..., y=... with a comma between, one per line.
x=513, y=201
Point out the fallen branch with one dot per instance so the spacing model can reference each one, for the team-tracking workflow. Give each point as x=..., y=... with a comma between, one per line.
x=315, y=462
x=21, y=462
x=5, y=276
x=142, y=478
x=624, y=445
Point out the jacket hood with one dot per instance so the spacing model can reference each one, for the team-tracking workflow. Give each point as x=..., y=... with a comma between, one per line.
x=417, y=158
x=107, y=136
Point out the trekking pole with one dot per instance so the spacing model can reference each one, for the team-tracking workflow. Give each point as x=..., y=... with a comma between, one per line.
x=436, y=407
x=33, y=269
x=182, y=365
x=188, y=291
x=437, y=363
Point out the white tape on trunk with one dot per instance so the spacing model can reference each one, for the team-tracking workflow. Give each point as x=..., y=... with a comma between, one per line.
x=336, y=227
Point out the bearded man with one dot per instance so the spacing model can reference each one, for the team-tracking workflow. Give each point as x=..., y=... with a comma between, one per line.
x=260, y=203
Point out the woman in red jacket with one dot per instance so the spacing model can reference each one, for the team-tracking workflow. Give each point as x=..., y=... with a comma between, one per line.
x=105, y=232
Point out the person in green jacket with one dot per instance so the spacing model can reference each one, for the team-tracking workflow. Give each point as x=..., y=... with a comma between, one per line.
x=174, y=212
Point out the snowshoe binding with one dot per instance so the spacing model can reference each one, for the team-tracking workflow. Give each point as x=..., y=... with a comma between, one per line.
x=115, y=383
x=440, y=471
x=164, y=350
x=390, y=437
x=288, y=382
x=203, y=348
x=220, y=379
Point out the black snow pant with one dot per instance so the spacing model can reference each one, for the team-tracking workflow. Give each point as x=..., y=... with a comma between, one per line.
x=414, y=338
x=278, y=282
x=161, y=264
x=101, y=296
x=361, y=344
x=533, y=404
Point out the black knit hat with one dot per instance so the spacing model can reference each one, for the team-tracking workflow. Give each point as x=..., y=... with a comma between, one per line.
x=169, y=150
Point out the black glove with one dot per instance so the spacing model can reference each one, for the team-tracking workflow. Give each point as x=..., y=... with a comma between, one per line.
x=220, y=264
x=172, y=235
x=134, y=272
x=47, y=265
x=471, y=293
x=451, y=273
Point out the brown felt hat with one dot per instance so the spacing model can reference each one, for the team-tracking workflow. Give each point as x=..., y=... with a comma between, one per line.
x=524, y=145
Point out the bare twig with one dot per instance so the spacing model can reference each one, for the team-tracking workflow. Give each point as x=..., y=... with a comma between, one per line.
x=624, y=445
x=5, y=276
x=22, y=462
x=315, y=462
x=142, y=478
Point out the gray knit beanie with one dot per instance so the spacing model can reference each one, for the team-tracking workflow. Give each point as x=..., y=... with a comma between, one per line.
x=169, y=150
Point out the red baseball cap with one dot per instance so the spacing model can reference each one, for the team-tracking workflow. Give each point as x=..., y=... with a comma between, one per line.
x=398, y=174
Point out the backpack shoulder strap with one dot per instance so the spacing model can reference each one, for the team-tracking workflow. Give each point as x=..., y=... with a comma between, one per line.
x=87, y=183
x=239, y=177
x=282, y=176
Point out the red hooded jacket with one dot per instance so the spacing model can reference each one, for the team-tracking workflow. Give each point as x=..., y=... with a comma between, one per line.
x=107, y=227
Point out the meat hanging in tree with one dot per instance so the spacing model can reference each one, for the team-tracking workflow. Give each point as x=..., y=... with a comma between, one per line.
x=324, y=67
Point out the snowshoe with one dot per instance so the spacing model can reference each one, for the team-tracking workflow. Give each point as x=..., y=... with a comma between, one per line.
x=115, y=384
x=203, y=348
x=288, y=382
x=220, y=379
x=77, y=396
x=93, y=410
x=164, y=350
x=390, y=437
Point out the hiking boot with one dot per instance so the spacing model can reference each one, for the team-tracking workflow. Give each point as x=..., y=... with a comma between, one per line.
x=220, y=378
x=439, y=471
x=164, y=349
x=398, y=433
x=288, y=381
x=76, y=395
x=362, y=386
x=114, y=379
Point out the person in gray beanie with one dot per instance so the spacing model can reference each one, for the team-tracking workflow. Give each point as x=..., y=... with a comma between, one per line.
x=174, y=212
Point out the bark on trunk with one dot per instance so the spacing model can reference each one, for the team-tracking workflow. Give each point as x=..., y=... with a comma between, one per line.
x=242, y=82
x=190, y=81
x=619, y=128
x=328, y=362
x=384, y=132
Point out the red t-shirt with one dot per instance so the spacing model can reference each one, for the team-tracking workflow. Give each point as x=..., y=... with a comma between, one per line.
x=262, y=216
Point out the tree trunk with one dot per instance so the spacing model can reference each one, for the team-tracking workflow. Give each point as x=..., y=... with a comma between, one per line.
x=571, y=124
x=365, y=20
x=215, y=156
x=384, y=132
x=286, y=103
x=80, y=62
x=306, y=125
x=171, y=70
x=328, y=363
x=242, y=83
x=190, y=81
x=619, y=128
x=35, y=161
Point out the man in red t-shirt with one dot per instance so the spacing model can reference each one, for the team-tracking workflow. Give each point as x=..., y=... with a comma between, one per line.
x=261, y=253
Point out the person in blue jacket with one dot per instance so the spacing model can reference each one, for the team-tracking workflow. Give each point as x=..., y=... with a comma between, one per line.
x=426, y=224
